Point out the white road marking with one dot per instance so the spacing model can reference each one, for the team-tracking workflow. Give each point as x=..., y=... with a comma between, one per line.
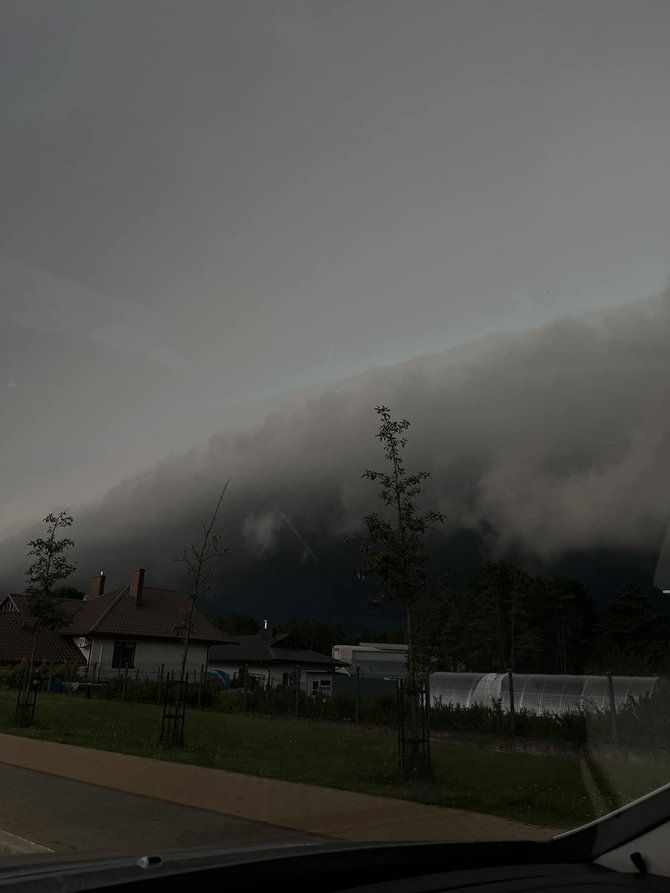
x=10, y=844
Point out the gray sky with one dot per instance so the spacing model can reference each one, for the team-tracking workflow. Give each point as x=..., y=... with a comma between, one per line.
x=209, y=204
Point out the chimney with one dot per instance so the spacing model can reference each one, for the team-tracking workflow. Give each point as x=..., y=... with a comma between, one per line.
x=267, y=632
x=96, y=586
x=136, y=586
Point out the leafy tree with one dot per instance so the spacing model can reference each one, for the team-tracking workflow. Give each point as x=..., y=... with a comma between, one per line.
x=628, y=620
x=633, y=638
x=315, y=634
x=394, y=552
x=501, y=623
x=503, y=618
x=567, y=623
x=50, y=566
x=441, y=622
x=69, y=592
x=199, y=562
x=387, y=636
x=236, y=624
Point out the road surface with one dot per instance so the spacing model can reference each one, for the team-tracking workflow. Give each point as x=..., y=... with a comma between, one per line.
x=73, y=816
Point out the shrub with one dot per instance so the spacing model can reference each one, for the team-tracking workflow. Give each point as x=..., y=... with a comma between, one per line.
x=145, y=691
x=639, y=723
x=10, y=677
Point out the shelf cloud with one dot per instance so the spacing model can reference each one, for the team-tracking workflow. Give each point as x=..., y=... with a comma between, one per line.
x=544, y=443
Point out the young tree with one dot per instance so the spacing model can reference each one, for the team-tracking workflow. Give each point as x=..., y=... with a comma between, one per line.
x=394, y=552
x=199, y=562
x=49, y=567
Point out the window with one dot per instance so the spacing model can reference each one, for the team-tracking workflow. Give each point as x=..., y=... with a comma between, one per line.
x=285, y=678
x=124, y=655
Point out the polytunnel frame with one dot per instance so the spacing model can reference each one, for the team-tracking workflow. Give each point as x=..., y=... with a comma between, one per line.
x=590, y=692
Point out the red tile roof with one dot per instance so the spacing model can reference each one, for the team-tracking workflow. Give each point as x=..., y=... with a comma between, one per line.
x=161, y=615
x=17, y=642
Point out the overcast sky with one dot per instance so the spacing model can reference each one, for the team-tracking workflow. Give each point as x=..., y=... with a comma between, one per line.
x=205, y=205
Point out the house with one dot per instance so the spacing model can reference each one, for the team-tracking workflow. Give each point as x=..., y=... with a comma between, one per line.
x=140, y=627
x=273, y=660
x=17, y=642
x=137, y=627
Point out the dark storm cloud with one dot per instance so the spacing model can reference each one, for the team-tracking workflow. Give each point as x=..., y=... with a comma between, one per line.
x=544, y=443
x=209, y=203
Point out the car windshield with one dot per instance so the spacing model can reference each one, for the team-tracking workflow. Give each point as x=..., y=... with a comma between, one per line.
x=333, y=421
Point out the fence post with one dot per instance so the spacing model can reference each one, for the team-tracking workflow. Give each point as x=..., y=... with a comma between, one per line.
x=297, y=690
x=612, y=703
x=125, y=680
x=400, y=706
x=510, y=675
x=246, y=688
x=202, y=672
x=159, y=676
x=357, y=702
x=427, y=726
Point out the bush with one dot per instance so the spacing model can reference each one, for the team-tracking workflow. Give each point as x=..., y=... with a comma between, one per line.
x=10, y=677
x=643, y=723
x=493, y=720
x=145, y=691
x=281, y=701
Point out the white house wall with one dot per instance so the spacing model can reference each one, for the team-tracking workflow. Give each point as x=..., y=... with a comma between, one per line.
x=150, y=655
x=275, y=673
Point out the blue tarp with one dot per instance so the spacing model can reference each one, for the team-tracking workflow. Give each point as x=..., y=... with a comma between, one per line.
x=219, y=677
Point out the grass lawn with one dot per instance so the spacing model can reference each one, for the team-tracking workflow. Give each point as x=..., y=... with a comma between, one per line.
x=557, y=792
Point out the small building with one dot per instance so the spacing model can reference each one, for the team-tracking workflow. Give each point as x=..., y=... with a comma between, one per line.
x=380, y=660
x=272, y=660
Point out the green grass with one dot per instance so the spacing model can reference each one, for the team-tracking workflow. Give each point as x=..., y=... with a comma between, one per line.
x=553, y=791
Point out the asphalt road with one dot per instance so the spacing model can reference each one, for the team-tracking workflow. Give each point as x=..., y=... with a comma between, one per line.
x=72, y=816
